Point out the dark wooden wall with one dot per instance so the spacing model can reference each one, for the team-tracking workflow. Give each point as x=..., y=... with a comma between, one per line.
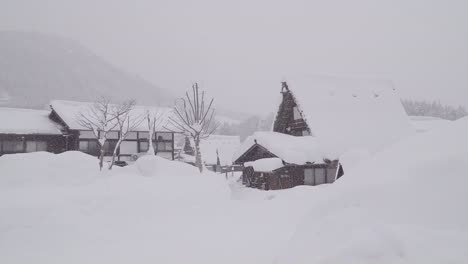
x=55, y=143
x=286, y=177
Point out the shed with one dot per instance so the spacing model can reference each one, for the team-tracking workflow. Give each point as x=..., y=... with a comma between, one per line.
x=29, y=130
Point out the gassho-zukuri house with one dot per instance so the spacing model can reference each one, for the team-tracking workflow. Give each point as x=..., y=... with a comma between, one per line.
x=323, y=127
x=58, y=130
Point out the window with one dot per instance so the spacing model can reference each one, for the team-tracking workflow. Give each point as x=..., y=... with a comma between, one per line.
x=83, y=146
x=32, y=146
x=144, y=146
x=297, y=113
x=87, y=134
x=132, y=135
x=164, y=146
x=161, y=146
x=113, y=135
x=93, y=147
x=89, y=146
x=164, y=136
x=12, y=146
x=143, y=135
x=109, y=147
x=128, y=147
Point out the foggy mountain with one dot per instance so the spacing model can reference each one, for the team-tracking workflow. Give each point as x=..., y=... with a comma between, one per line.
x=35, y=68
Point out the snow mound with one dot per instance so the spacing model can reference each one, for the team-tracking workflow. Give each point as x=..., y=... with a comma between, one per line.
x=407, y=204
x=44, y=168
x=182, y=181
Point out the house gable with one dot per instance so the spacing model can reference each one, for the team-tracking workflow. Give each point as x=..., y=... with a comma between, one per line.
x=254, y=153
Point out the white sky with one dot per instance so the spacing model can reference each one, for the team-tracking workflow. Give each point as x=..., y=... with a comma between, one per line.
x=241, y=50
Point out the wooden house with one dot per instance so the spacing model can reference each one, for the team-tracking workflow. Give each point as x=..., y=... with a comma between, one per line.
x=67, y=113
x=28, y=130
x=322, y=127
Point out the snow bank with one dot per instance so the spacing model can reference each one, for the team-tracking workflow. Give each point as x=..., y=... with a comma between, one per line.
x=44, y=168
x=180, y=181
x=407, y=204
x=423, y=124
x=265, y=165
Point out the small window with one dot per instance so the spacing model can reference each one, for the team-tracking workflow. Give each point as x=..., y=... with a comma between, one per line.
x=297, y=113
x=168, y=146
x=143, y=135
x=113, y=135
x=93, y=147
x=12, y=146
x=109, y=147
x=164, y=136
x=83, y=146
x=132, y=135
x=87, y=134
x=32, y=146
x=128, y=147
x=144, y=146
x=161, y=146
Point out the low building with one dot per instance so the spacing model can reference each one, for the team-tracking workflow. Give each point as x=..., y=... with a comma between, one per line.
x=67, y=114
x=29, y=130
x=323, y=126
x=59, y=130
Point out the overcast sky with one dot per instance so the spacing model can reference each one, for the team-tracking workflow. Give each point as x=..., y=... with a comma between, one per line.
x=240, y=50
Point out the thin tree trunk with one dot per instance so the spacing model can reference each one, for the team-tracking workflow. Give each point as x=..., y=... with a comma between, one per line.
x=114, y=154
x=198, y=157
x=101, y=158
x=150, y=143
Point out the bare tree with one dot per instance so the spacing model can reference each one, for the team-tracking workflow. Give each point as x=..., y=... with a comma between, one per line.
x=153, y=119
x=194, y=118
x=100, y=119
x=126, y=123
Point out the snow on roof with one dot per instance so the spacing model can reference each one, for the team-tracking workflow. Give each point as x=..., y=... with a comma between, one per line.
x=27, y=121
x=69, y=112
x=351, y=113
x=265, y=165
x=425, y=123
x=291, y=149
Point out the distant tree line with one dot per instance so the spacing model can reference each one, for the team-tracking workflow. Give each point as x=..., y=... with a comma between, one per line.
x=434, y=108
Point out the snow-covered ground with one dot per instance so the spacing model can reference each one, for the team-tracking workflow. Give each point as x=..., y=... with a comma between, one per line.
x=407, y=204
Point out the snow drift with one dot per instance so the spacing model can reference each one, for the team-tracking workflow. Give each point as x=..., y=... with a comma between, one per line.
x=405, y=205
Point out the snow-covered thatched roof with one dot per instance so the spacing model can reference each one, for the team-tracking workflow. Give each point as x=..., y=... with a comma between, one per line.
x=291, y=149
x=70, y=111
x=346, y=114
x=27, y=121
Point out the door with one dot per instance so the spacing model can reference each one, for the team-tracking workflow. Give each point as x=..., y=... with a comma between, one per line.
x=309, y=177
x=320, y=176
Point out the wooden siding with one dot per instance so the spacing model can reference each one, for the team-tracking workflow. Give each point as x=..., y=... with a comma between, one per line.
x=286, y=177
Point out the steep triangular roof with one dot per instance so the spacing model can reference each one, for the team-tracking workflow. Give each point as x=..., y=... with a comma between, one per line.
x=346, y=113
